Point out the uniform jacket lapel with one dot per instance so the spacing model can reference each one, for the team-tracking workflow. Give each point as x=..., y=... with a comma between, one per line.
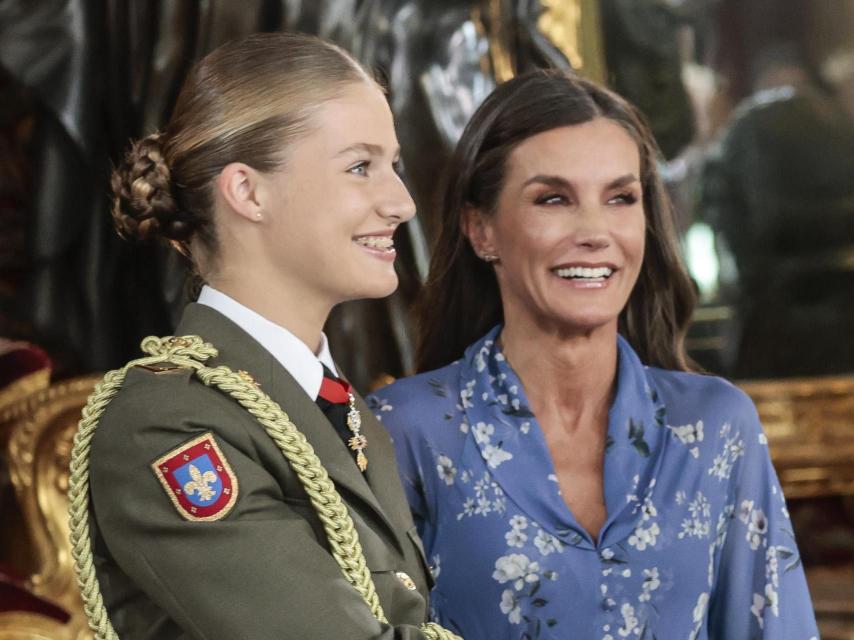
x=239, y=351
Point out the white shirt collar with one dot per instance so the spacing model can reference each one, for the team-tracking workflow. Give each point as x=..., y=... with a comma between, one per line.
x=291, y=352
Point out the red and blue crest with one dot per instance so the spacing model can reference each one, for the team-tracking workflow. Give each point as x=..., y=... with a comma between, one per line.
x=198, y=479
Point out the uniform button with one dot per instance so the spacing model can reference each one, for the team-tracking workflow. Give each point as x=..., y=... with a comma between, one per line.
x=405, y=579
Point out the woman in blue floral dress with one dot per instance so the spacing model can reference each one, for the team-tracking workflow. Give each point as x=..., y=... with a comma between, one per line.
x=570, y=477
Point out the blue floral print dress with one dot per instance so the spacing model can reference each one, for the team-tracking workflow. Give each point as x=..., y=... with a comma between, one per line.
x=697, y=543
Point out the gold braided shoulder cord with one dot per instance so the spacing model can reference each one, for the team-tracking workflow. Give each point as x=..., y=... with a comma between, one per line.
x=192, y=352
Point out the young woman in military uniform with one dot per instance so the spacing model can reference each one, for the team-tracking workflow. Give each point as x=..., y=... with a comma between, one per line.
x=277, y=176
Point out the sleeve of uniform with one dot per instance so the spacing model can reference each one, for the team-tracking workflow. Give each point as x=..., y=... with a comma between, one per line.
x=258, y=573
x=759, y=589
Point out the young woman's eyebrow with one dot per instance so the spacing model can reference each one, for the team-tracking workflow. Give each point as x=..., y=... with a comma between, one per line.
x=368, y=147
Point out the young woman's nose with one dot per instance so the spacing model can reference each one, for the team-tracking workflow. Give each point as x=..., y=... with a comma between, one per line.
x=396, y=203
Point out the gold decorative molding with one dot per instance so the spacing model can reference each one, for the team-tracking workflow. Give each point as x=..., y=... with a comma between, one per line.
x=573, y=26
x=21, y=388
x=560, y=21
x=41, y=431
x=32, y=626
x=489, y=20
x=810, y=428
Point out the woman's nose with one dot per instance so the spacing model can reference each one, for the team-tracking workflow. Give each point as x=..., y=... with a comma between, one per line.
x=397, y=205
x=591, y=229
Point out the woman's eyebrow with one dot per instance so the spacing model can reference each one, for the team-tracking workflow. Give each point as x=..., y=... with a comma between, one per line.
x=558, y=182
x=623, y=181
x=368, y=147
x=552, y=181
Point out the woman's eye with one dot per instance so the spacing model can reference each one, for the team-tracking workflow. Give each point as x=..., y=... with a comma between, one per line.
x=397, y=167
x=360, y=168
x=550, y=199
x=624, y=198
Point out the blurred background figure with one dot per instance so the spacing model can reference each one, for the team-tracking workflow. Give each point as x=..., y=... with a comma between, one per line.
x=779, y=191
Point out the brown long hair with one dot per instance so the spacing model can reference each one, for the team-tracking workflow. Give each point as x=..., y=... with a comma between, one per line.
x=461, y=300
x=243, y=102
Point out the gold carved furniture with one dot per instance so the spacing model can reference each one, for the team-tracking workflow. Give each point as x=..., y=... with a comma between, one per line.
x=40, y=429
x=810, y=427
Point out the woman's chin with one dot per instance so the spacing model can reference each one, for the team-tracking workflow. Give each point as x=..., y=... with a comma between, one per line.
x=582, y=323
x=375, y=287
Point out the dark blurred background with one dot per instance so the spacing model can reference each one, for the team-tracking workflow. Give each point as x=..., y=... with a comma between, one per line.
x=752, y=102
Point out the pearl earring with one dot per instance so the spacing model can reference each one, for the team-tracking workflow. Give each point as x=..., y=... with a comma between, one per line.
x=489, y=257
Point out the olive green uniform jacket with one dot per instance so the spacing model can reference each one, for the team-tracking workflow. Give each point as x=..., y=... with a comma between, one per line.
x=264, y=570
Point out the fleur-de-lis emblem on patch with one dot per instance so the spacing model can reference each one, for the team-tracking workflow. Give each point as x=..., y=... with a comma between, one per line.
x=198, y=479
x=199, y=483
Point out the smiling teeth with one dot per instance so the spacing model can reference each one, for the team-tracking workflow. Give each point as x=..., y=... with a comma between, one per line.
x=385, y=243
x=585, y=272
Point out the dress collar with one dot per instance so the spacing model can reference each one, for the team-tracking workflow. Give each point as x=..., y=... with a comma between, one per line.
x=510, y=440
x=291, y=352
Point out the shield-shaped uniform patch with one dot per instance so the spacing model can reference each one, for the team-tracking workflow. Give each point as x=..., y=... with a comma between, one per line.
x=198, y=479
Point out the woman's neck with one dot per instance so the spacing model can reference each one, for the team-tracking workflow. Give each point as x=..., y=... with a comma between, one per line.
x=284, y=304
x=570, y=374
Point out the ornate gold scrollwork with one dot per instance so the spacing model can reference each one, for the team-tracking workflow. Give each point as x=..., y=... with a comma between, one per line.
x=572, y=26
x=810, y=428
x=39, y=448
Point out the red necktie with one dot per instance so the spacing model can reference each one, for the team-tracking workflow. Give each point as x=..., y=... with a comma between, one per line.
x=334, y=400
x=334, y=389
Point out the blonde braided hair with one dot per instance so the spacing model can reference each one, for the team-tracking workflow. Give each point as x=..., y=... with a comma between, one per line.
x=192, y=352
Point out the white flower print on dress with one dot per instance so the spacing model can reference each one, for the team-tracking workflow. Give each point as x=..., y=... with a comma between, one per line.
x=758, y=609
x=732, y=450
x=379, y=405
x=699, y=615
x=646, y=532
x=483, y=507
x=516, y=538
x=744, y=510
x=546, y=543
x=483, y=432
x=689, y=434
x=516, y=568
x=495, y=456
x=756, y=521
x=699, y=524
x=466, y=395
x=436, y=566
x=445, y=468
x=630, y=621
x=757, y=528
x=488, y=497
x=510, y=606
x=482, y=355
x=651, y=582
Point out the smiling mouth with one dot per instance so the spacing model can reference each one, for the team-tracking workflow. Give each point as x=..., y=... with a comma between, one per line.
x=584, y=274
x=377, y=243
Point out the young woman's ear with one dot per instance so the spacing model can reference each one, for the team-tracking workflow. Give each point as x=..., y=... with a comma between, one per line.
x=238, y=185
x=477, y=227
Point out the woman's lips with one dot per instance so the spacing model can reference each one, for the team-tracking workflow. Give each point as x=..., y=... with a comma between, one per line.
x=381, y=246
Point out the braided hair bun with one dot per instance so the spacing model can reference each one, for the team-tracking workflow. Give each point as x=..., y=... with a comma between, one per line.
x=143, y=203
